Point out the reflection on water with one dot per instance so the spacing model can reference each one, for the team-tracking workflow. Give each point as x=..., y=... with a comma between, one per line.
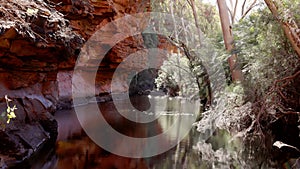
x=75, y=150
x=83, y=153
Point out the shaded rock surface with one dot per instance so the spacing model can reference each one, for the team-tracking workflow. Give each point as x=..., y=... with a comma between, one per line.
x=34, y=39
x=33, y=127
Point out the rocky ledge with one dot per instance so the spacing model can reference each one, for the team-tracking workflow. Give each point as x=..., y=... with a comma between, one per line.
x=34, y=39
x=33, y=127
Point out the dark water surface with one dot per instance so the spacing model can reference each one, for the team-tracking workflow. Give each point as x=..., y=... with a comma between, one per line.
x=75, y=150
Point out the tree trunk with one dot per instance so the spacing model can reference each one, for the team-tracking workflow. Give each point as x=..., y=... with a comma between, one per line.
x=236, y=73
x=289, y=26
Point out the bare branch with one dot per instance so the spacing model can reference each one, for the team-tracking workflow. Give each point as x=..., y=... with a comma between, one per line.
x=231, y=14
x=249, y=9
x=189, y=1
x=234, y=10
x=243, y=7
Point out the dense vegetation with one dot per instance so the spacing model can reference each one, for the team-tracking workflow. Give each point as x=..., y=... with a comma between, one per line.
x=261, y=109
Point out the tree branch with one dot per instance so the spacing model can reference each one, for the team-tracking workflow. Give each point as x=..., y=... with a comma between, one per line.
x=234, y=11
x=290, y=27
x=249, y=9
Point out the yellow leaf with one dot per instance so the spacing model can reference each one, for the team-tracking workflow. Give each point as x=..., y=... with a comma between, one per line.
x=13, y=115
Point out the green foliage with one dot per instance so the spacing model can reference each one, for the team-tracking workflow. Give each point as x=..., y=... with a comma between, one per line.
x=264, y=51
x=8, y=114
x=207, y=14
x=265, y=55
x=176, y=72
x=289, y=9
x=192, y=75
x=188, y=72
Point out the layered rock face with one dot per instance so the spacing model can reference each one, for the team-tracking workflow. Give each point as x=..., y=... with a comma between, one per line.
x=39, y=45
x=34, y=39
x=37, y=42
x=110, y=45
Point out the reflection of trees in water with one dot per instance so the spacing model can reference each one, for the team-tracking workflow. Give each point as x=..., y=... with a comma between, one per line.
x=80, y=152
x=181, y=156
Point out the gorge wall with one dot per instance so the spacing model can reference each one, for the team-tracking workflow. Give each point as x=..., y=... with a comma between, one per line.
x=40, y=42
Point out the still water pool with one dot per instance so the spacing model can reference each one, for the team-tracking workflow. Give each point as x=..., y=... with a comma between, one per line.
x=75, y=150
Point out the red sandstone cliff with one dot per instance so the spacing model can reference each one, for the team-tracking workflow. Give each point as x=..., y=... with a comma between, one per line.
x=39, y=44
